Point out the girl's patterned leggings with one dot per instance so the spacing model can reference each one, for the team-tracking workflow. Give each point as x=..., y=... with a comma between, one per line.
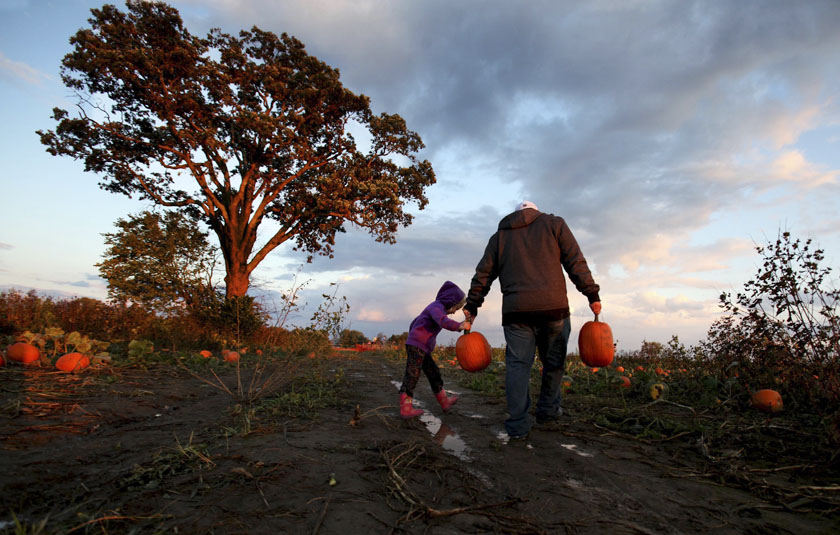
x=416, y=361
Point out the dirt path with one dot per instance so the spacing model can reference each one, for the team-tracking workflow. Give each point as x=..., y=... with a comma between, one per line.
x=156, y=450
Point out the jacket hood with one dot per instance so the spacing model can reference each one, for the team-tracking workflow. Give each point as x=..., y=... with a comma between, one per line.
x=449, y=294
x=519, y=219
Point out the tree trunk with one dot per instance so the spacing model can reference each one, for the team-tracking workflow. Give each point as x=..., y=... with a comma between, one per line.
x=237, y=281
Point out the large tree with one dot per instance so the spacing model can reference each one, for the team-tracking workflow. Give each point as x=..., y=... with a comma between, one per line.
x=233, y=130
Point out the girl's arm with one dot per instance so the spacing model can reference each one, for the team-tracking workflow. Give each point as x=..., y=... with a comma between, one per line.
x=438, y=313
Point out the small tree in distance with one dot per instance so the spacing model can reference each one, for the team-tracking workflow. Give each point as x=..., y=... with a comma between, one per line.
x=160, y=261
x=233, y=131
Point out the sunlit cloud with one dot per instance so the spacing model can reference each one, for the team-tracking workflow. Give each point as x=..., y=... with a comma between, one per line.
x=367, y=314
x=792, y=166
x=6, y=246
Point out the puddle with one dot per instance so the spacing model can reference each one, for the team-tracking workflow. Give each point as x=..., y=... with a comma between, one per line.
x=442, y=433
x=573, y=448
x=445, y=436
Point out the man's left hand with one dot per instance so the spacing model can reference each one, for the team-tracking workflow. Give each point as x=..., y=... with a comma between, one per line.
x=596, y=307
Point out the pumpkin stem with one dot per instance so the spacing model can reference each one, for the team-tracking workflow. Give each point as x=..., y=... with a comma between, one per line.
x=596, y=317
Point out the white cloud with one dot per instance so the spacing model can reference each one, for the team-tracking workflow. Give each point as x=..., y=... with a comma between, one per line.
x=17, y=71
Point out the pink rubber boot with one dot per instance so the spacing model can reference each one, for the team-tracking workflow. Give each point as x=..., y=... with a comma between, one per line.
x=407, y=411
x=445, y=401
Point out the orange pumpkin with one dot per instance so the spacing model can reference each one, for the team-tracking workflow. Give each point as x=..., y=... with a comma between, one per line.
x=473, y=351
x=72, y=362
x=620, y=369
x=624, y=381
x=231, y=356
x=595, y=343
x=23, y=353
x=206, y=354
x=767, y=400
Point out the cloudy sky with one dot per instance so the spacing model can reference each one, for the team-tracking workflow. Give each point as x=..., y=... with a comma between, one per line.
x=673, y=136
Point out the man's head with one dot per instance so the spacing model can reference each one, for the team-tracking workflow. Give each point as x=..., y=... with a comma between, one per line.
x=526, y=204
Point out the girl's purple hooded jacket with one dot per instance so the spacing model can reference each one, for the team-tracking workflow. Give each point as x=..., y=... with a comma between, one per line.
x=424, y=329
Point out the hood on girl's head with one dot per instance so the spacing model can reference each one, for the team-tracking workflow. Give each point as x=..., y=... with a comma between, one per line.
x=449, y=294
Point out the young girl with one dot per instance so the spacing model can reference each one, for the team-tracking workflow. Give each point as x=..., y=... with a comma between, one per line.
x=422, y=335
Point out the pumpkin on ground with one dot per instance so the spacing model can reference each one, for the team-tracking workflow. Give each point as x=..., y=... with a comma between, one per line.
x=206, y=354
x=767, y=400
x=2, y=361
x=624, y=381
x=473, y=351
x=656, y=391
x=231, y=356
x=72, y=362
x=595, y=343
x=23, y=353
x=620, y=369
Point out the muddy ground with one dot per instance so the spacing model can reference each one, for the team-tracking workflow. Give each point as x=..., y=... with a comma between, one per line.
x=158, y=450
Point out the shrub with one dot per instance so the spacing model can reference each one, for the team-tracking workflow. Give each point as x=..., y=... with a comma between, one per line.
x=783, y=329
x=349, y=338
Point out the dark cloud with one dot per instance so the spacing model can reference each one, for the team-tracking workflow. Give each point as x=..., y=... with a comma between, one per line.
x=612, y=114
x=431, y=245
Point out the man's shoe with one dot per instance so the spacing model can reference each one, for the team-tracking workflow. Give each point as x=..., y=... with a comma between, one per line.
x=548, y=424
x=517, y=438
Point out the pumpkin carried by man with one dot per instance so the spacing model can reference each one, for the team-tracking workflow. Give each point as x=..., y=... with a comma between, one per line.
x=473, y=351
x=595, y=343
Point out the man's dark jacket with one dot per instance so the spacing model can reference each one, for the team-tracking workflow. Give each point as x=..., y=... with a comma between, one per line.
x=528, y=254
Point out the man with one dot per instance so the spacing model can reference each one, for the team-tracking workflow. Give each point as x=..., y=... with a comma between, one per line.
x=528, y=254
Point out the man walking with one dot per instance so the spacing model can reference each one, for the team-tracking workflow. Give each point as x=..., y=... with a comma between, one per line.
x=528, y=254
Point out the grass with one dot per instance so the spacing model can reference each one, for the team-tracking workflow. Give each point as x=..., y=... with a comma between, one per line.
x=306, y=395
x=181, y=459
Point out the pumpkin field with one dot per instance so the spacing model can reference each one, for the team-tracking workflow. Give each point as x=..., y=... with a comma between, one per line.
x=156, y=441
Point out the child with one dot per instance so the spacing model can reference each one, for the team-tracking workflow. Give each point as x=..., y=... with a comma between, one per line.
x=421, y=340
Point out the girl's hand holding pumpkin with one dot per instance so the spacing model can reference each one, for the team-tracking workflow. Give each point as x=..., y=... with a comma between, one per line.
x=465, y=326
x=596, y=307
